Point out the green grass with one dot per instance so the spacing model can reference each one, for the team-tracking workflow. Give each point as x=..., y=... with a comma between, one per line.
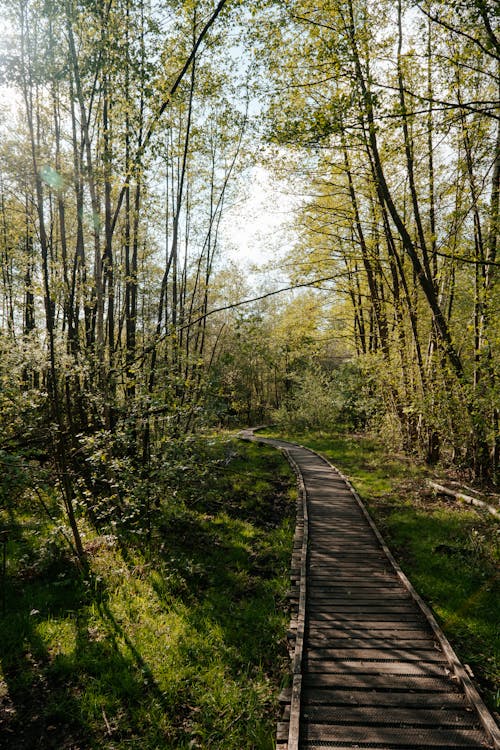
x=174, y=643
x=450, y=552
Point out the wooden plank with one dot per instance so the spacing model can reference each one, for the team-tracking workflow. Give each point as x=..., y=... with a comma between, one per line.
x=398, y=683
x=328, y=606
x=372, y=652
x=393, y=736
x=355, y=589
x=282, y=731
x=320, y=577
x=293, y=734
x=314, y=745
x=357, y=594
x=285, y=696
x=401, y=716
x=358, y=697
x=351, y=578
x=359, y=560
x=341, y=543
x=352, y=666
x=373, y=617
x=322, y=641
x=367, y=629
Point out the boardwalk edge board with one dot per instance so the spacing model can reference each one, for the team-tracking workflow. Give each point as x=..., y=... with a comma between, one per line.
x=303, y=525
x=487, y=720
x=289, y=728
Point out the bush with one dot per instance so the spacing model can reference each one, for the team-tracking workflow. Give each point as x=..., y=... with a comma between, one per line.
x=312, y=405
x=324, y=402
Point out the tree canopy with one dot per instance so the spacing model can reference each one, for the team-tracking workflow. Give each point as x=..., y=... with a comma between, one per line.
x=129, y=127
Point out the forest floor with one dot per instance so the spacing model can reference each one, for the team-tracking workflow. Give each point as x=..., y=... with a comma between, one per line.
x=173, y=639
x=449, y=551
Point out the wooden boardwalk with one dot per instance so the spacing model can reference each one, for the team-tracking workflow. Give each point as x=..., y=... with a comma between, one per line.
x=371, y=666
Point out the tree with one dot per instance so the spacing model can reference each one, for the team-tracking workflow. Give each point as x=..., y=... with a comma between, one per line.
x=78, y=245
x=403, y=176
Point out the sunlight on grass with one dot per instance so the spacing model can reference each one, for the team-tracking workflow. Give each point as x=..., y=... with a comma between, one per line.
x=180, y=644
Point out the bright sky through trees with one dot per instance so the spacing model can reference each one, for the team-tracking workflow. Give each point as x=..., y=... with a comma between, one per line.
x=258, y=226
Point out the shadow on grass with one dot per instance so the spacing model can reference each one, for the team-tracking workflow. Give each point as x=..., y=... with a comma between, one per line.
x=83, y=692
x=37, y=709
x=76, y=678
x=225, y=572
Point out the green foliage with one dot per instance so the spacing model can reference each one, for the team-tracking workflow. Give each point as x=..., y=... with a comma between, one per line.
x=321, y=401
x=313, y=404
x=402, y=204
x=356, y=394
x=15, y=479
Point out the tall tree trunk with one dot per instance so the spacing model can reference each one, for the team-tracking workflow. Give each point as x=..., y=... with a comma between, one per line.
x=385, y=194
x=59, y=442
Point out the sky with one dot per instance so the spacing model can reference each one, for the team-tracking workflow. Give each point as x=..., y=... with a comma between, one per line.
x=257, y=228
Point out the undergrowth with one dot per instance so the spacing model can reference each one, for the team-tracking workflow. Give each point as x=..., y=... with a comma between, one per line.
x=174, y=638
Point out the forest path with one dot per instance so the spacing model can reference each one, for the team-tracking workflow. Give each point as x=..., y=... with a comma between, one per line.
x=372, y=669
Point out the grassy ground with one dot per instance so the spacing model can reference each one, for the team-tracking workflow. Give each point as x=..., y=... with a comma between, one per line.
x=450, y=552
x=174, y=642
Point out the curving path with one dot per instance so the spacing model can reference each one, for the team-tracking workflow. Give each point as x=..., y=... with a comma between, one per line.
x=372, y=669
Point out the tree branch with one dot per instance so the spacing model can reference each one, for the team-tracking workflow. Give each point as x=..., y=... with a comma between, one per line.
x=156, y=118
x=455, y=30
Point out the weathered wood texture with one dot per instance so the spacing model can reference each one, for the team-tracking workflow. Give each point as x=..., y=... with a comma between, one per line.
x=377, y=672
x=464, y=498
